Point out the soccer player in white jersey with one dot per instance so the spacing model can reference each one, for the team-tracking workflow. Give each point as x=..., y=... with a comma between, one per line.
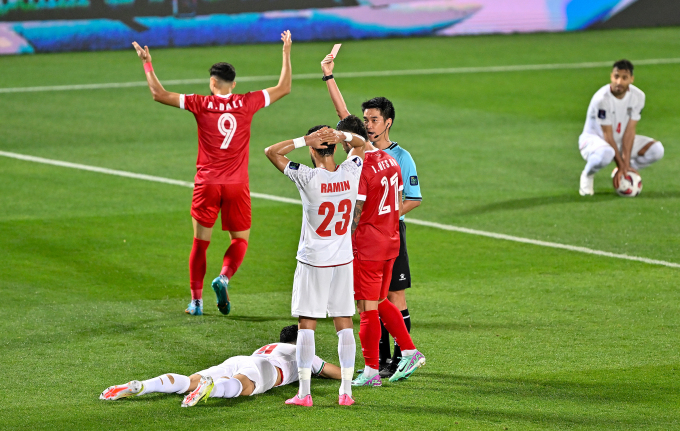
x=269, y=366
x=323, y=282
x=609, y=133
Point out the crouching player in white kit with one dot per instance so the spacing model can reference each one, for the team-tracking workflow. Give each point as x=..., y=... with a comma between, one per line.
x=609, y=133
x=323, y=283
x=269, y=366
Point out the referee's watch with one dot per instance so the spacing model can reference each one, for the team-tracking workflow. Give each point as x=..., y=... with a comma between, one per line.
x=326, y=78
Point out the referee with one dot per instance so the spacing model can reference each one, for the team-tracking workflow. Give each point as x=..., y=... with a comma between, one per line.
x=401, y=272
x=378, y=118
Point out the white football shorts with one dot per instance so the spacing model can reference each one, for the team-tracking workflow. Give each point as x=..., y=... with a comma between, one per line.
x=259, y=370
x=319, y=291
x=587, y=143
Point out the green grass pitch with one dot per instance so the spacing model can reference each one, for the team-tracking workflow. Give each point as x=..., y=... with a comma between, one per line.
x=94, y=272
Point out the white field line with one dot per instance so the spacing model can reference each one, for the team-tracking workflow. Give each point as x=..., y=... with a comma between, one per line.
x=298, y=202
x=367, y=74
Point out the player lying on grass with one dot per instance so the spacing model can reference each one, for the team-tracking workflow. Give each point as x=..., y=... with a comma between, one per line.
x=221, y=183
x=378, y=119
x=375, y=238
x=610, y=130
x=269, y=366
x=322, y=284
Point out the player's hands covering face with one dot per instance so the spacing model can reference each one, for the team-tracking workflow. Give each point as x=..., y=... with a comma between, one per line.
x=142, y=53
x=330, y=136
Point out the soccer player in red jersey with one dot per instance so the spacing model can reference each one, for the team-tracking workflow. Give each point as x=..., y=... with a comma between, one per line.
x=221, y=182
x=375, y=239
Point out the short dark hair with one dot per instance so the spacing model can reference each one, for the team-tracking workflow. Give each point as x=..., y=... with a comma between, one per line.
x=289, y=334
x=353, y=124
x=382, y=104
x=323, y=152
x=624, y=65
x=223, y=71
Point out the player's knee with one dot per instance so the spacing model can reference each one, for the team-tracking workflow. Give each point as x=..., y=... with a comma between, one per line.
x=607, y=155
x=655, y=152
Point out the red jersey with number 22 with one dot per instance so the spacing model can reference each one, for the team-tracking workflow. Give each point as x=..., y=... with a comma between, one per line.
x=377, y=234
x=223, y=134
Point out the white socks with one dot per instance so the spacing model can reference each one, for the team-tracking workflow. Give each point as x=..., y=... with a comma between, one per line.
x=347, y=349
x=167, y=384
x=226, y=388
x=599, y=159
x=305, y=355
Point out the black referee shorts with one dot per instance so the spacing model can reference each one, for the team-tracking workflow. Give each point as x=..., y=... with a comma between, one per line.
x=401, y=273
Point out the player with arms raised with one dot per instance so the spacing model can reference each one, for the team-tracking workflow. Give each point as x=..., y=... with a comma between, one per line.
x=323, y=278
x=221, y=182
x=610, y=130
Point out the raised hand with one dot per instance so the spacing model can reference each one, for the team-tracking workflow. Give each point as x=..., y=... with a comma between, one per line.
x=287, y=40
x=330, y=136
x=143, y=54
x=327, y=65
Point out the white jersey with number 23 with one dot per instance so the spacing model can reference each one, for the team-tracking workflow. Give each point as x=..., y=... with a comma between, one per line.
x=328, y=200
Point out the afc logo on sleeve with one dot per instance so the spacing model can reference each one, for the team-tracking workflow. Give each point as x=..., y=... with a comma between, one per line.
x=357, y=161
x=413, y=180
x=293, y=166
x=601, y=114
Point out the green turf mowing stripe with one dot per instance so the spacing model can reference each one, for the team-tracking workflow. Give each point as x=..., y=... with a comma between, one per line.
x=295, y=201
x=367, y=74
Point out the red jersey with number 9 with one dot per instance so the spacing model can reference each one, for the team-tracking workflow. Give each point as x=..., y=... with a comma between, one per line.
x=377, y=234
x=223, y=134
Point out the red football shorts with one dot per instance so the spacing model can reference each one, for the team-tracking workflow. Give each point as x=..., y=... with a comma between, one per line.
x=232, y=199
x=372, y=278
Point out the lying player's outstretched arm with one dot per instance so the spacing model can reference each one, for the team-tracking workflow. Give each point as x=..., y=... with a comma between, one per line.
x=277, y=152
x=327, y=66
x=286, y=78
x=331, y=371
x=157, y=91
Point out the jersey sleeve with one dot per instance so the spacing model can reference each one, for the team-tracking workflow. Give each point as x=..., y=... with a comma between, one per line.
x=363, y=188
x=604, y=116
x=191, y=102
x=353, y=165
x=636, y=114
x=410, y=179
x=256, y=100
x=300, y=174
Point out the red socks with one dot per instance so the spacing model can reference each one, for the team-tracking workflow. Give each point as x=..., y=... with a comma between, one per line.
x=197, y=267
x=369, y=334
x=394, y=323
x=234, y=257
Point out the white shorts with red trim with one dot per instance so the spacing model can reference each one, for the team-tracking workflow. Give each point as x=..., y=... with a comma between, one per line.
x=323, y=291
x=259, y=370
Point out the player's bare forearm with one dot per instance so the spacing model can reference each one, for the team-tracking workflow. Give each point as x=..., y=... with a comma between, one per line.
x=627, y=142
x=327, y=66
x=357, y=215
x=157, y=91
x=277, y=153
x=285, y=84
x=608, y=133
x=408, y=206
x=338, y=100
x=331, y=371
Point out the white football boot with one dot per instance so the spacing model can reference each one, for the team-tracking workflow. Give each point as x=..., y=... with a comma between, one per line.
x=587, y=183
